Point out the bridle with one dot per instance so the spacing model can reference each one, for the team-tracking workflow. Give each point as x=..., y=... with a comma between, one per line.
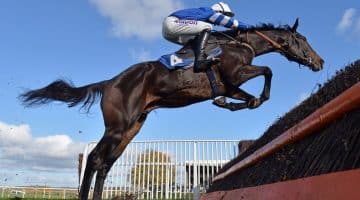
x=267, y=38
x=278, y=46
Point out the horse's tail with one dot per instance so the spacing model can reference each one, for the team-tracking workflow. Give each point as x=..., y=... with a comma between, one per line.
x=61, y=90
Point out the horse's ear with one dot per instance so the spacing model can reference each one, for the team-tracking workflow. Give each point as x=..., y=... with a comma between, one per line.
x=296, y=24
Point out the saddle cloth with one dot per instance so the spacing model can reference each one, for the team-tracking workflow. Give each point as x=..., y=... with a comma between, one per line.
x=184, y=58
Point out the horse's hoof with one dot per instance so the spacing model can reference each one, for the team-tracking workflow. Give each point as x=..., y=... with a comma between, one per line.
x=220, y=101
x=254, y=103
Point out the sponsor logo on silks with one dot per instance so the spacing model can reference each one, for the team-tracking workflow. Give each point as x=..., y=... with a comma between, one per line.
x=186, y=21
x=174, y=60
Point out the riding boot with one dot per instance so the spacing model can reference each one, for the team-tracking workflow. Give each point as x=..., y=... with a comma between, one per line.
x=201, y=62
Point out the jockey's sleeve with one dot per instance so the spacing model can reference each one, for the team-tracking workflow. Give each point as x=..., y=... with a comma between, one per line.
x=228, y=22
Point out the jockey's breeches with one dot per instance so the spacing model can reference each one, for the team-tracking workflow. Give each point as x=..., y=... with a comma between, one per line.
x=181, y=31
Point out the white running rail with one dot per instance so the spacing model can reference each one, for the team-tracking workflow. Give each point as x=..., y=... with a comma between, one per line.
x=167, y=169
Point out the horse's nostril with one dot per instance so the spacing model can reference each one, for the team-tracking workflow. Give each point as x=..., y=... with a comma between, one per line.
x=321, y=63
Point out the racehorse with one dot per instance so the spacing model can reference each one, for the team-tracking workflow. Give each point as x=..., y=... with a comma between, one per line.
x=127, y=98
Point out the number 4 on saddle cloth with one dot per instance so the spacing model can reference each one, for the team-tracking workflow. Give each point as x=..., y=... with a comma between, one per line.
x=184, y=58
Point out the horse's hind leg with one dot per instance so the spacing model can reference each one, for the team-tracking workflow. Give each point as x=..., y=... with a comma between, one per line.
x=119, y=131
x=113, y=152
x=110, y=158
x=94, y=161
x=101, y=159
x=97, y=161
x=86, y=182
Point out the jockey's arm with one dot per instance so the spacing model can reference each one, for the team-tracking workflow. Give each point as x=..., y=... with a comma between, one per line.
x=228, y=22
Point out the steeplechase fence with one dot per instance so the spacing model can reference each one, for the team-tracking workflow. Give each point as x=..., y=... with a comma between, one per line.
x=310, y=160
x=169, y=169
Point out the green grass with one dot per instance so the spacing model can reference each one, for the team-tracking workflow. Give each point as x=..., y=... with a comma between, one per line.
x=26, y=198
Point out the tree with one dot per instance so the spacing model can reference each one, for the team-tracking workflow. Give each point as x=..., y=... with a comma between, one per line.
x=152, y=168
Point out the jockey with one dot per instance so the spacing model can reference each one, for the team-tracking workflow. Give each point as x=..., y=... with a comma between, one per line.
x=184, y=25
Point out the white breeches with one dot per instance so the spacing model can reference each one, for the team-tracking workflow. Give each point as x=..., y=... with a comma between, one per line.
x=181, y=31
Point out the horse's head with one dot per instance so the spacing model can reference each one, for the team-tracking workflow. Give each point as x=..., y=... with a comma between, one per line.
x=296, y=48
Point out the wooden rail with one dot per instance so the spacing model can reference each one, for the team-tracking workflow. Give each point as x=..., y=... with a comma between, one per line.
x=336, y=108
x=332, y=186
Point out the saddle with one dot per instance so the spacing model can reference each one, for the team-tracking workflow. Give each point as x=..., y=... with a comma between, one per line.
x=185, y=57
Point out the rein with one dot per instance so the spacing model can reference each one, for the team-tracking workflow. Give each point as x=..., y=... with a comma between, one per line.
x=275, y=44
x=278, y=46
x=272, y=42
x=246, y=44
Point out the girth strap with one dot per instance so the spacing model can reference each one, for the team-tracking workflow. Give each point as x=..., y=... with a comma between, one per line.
x=214, y=88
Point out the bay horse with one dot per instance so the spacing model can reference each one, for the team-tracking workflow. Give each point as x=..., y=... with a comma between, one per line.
x=127, y=98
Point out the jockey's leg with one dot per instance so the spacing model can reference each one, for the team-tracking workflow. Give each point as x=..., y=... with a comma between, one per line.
x=201, y=61
x=181, y=31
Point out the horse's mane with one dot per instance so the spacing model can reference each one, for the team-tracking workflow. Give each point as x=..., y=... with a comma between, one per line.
x=268, y=26
x=260, y=27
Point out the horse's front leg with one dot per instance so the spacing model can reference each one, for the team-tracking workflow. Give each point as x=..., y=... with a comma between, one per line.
x=235, y=93
x=246, y=73
x=252, y=104
x=221, y=102
x=265, y=95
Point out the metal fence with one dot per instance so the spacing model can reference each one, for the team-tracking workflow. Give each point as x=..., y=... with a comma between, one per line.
x=165, y=169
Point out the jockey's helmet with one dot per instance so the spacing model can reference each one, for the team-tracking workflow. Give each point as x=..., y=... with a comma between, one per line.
x=222, y=8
